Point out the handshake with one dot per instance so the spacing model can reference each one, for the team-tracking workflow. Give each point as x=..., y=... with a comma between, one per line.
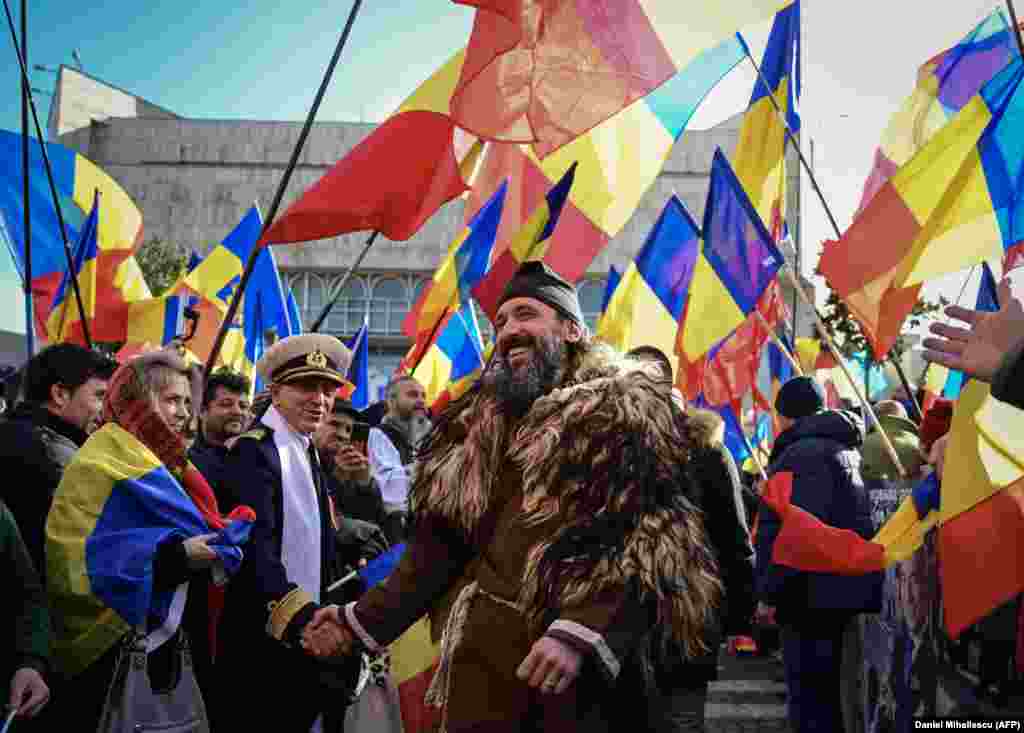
x=327, y=635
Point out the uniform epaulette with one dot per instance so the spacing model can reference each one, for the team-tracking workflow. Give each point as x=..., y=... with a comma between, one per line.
x=255, y=434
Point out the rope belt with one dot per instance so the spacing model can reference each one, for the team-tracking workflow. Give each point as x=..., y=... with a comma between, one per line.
x=440, y=686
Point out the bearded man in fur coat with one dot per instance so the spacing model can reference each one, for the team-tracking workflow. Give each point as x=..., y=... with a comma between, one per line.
x=550, y=538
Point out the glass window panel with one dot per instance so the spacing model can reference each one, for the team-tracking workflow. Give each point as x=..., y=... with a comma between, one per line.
x=315, y=294
x=378, y=317
x=390, y=289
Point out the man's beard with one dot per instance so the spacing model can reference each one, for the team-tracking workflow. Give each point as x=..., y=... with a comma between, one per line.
x=518, y=388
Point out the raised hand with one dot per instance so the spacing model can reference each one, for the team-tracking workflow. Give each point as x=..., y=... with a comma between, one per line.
x=977, y=351
x=551, y=665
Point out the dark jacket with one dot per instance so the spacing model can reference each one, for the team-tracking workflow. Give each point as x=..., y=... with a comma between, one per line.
x=1008, y=383
x=23, y=613
x=821, y=452
x=355, y=500
x=210, y=459
x=40, y=445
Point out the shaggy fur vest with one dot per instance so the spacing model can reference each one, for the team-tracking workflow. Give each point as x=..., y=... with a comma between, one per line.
x=602, y=461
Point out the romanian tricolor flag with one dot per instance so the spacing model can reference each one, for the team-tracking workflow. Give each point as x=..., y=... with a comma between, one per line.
x=359, y=369
x=115, y=505
x=532, y=242
x=760, y=156
x=647, y=304
x=952, y=205
x=396, y=178
x=119, y=280
x=546, y=73
x=454, y=359
x=467, y=262
x=618, y=161
x=979, y=510
x=737, y=262
x=945, y=83
x=65, y=321
x=414, y=659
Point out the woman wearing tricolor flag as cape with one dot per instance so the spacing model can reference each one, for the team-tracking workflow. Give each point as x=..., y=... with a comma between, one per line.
x=134, y=540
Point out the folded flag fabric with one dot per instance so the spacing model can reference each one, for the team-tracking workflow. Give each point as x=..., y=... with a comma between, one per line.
x=737, y=262
x=618, y=160
x=395, y=178
x=760, y=156
x=119, y=280
x=359, y=369
x=115, y=505
x=945, y=83
x=614, y=277
x=381, y=566
x=531, y=242
x=467, y=262
x=647, y=304
x=454, y=359
x=65, y=321
x=952, y=205
x=548, y=72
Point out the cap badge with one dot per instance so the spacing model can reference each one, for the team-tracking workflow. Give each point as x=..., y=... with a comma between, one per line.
x=317, y=359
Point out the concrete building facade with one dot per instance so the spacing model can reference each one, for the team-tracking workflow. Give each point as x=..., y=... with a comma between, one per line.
x=193, y=179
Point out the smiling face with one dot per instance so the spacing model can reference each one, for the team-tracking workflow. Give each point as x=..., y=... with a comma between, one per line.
x=225, y=416
x=530, y=352
x=174, y=401
x=304, y=403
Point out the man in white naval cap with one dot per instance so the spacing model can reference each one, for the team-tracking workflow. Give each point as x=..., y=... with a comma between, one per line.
x=275, y=469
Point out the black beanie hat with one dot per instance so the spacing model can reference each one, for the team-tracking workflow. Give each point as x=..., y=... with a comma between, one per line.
x=800, y=397
x=536, y=280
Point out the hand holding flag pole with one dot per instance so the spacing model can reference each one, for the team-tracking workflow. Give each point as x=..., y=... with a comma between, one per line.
x=49, y=178
x=828, y=210
x=250, y=263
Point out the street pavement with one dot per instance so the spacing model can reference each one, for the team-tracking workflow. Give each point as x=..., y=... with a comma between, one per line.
x=748, y=697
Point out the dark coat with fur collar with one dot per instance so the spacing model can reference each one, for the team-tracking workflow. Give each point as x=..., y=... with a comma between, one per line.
x=571, y=523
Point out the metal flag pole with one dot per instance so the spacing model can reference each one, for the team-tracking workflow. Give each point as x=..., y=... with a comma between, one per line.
x=250, y=263
x=341, y=286
x=894, y=360
x=49, y=177
x=26, y=91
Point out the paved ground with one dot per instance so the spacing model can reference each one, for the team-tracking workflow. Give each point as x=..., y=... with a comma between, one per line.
x=748, y=697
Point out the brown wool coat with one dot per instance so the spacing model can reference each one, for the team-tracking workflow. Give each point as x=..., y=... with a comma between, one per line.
x=512, y=508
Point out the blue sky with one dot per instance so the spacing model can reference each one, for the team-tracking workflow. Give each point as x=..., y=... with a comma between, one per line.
x=259, y=60
x=263, y=59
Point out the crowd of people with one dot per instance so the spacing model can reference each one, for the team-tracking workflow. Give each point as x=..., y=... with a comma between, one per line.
x=579, y=537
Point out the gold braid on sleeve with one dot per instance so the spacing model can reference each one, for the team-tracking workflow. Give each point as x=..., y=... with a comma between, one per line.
x=284, y=610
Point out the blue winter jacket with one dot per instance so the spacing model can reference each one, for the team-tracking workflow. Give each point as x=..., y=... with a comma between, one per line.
x=821, y=452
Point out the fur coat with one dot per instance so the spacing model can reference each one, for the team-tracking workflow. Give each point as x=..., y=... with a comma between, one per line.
x=601, y=460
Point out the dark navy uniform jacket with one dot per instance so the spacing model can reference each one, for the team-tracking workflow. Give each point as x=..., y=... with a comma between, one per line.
x=249, y=656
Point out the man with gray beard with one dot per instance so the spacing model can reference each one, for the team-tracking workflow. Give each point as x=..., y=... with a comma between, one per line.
x=392, y=450
x=549, y=536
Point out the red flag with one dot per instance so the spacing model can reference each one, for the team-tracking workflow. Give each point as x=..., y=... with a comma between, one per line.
x=990, y=536
x=391, y=182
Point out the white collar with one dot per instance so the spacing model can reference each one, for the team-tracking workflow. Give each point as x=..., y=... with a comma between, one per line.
x=283, y=432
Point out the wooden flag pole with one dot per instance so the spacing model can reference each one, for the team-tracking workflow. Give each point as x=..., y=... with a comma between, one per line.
x=49, y=177
x=828, y=209
x=250, y=263
x=341, y=286
x=778, y=342
x=846, y=372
